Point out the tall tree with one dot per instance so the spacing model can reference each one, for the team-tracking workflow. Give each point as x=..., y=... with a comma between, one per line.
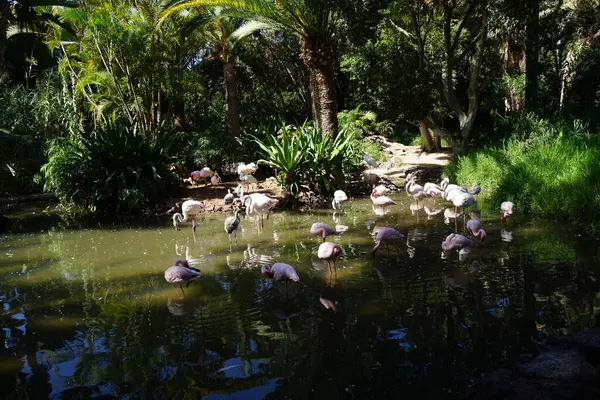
x=314, y=23
x=531, y=55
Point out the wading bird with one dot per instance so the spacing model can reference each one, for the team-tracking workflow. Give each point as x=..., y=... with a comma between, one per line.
x=181, y=273
x=476, y=229
x=330, y=252
x=280, y=272
x=215, y=179
x=507, y=210
x=190, y=209
x=338, y=198
x=323, y=230
x=231, y=225
x=386, y=236
x=370, y=161
x=455, y=241
x=381, y=201
x=258, y=204
x=246, y=169
x=381, y=190
x=414, y=190
x=201, y=175
x=229, y=197
x=463, y=200
x=431, y=189
x=248, y=180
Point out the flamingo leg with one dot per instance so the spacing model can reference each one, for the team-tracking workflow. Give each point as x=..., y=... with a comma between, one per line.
x=181, y=287
x=329, y=265
x=194, y=223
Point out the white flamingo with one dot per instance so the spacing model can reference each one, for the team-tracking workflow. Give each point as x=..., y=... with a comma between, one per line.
x=190, y=209
x=338, y=198
x=247, y=169
x=258, y=204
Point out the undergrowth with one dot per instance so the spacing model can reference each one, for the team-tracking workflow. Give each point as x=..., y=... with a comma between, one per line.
x=554, y=173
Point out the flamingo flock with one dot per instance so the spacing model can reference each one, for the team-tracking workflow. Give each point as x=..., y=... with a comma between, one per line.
x=259, y=205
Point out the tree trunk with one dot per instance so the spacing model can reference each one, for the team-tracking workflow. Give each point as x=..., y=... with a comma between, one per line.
x=316, y=107
x=232, y=104
x=531, y=55
x=427, y=142
x=326, y=100
x=4, y=16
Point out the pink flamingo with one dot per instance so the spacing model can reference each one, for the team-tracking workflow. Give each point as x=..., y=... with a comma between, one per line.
x=181, y=273
x=507, y=210
x=431, y=189
x=455, y=241
x=329, y=251
x=323, y=230
x=258, y=204
x=476, y=229
x=386, y=235
x=280, y=272
x=381, y=201
x=201, y=175
x=414, y=190
x=190, y=209
x=381, y=190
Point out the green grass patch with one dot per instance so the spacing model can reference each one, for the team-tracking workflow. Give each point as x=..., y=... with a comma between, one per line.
x=549, y=175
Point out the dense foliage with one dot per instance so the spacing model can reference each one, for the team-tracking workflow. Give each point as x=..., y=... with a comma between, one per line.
x=114, y=171
x=222, y=72
x=548, y=169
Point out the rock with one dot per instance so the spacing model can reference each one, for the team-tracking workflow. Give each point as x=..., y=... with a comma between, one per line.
x=588, y=340
x=568, y=365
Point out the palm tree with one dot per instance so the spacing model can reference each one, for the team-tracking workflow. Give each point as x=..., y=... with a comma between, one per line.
x=313, y=22
x=25, y=8
x=223, y=35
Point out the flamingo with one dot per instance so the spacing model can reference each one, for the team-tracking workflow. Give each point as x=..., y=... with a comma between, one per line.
x=258, y=204
x=329, y=251
x=247, y=169
x=476, y=229
x=338, y=198
x=507, y=210
x=381, y=190
x=431, y=189
x=451, y=214
x=455, y=241
x=239, y=190
x=215, y=179
x=415, y=190
x=432, y=211
x=381, y=201
x=280, y=272
x=231, y=225
x=190, y=209
x=228, y=197
x=463, y=200
x=386, y=235
x=328, y=304
x=248, y=180
x=323, y=230
x=181, y=273
x=201, y=175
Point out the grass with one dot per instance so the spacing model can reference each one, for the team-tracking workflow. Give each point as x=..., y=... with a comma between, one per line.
x=550, y=175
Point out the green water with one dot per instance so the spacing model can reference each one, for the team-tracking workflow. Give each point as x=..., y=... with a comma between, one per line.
x=87, y=313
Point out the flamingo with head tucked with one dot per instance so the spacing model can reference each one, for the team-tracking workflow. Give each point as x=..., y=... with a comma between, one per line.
x=507, y=210
x=190, y=209
x=476, y=229
x=323, y=230
x=381, y=201
x=339, y=196
x=181, y=272
x=280, y=272
x=202, y=175
x=455, y=241
x=330, y=252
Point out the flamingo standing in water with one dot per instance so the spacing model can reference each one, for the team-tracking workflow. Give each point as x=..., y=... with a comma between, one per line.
x=190, y=209
x=231, y=225
x=386, y=235
x=181, y=273
x=258, y=204
x=381, y=201
x=323, y=230
x=507, y=210
x=339, y=196
x=462, y=200
x=330, y=252
x=455, y=241
x=415, y=190
x=280, y=272
x=476, y=229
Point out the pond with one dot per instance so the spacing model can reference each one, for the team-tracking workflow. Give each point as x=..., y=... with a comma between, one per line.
x=87, y=312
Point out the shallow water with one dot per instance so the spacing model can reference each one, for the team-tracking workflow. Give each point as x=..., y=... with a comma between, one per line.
x=87, y=313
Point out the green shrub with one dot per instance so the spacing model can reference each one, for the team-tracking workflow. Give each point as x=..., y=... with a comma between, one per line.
x=553, y=172
x=306, y=160
x=113, y=171
x=362, y=123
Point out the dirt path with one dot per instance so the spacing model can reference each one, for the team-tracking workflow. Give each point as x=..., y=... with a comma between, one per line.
x=402, y=160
